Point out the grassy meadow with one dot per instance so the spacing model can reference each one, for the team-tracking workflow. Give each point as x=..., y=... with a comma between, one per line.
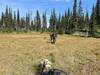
x=75, y=55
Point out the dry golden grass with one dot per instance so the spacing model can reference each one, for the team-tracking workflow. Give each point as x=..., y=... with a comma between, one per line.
x=75, y=55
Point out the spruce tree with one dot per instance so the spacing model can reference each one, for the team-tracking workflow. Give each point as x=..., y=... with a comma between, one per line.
x=87, y=23
x=59, y=24
x=27, y=22
x=38, y=21
x=68, y=24
x=53, y=21
x=18, y=20
x=10, y=19
x=2, y=21
x=80, y=17
x=2, y=18
x=22, y=22
x=32, y=25
x=92, y=25
x=65, y=22
x=80, y=8
x=75, y=9
x=6, y=20
x=62, y=25
x=35, y=24
x=6, y=16
x=50, y=22
x=98, y=12
x=14, y=22
x=74, y=17
x=44, y=22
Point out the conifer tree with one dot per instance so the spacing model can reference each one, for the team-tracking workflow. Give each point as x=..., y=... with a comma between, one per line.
x=68, y=19
x=92, y=25
x=10, y=19
x=53, y=21
x=7, y=20
x=38, y=18
x=62, y=25
x=74, y=17
x=65, y=22
x=86, y=20
x=32, y=25
x=98, y=12
x=14, y=22
x=6, y=16
x=80, y=17
x=22, y=22
x=44, y=22
x=87, y=23
x=18, y=20
x=28, y=22
x=59, y=24
x=2, y=21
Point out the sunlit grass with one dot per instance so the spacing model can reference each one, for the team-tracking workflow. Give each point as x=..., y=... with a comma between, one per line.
x=76, y=55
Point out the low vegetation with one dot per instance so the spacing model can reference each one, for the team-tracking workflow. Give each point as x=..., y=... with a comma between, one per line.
x=19, y=53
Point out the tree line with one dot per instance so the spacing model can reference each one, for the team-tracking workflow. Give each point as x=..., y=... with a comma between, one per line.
x=68, y=23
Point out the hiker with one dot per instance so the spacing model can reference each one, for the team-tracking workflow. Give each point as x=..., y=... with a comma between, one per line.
x=53, y=36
